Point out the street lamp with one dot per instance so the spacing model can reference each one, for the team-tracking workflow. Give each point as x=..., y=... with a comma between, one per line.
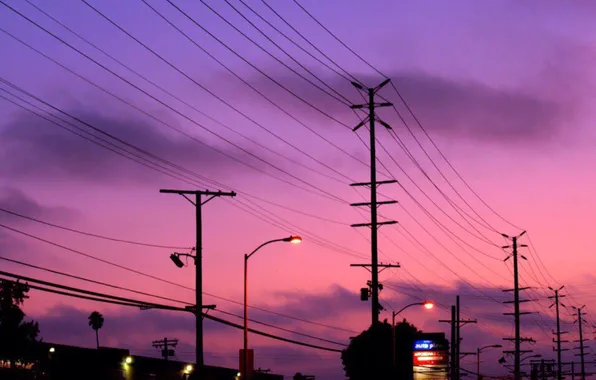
x=428, y=305
x=478, y=351
x=289, y=239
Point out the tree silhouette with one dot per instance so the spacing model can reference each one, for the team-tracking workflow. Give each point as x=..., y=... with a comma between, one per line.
x=96, y=322
x=17, y=338
x=370, y=354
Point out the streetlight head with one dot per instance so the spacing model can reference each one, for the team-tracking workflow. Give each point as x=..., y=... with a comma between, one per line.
x=188, y=368
x=497, y=346
x=176, y=259
x=52, y=349
x=428, y=305
x=128, y=360
x=293, y=239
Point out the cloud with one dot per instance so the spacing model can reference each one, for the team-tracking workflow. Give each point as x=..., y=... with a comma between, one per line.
x=451, y=108
x=16, y=200
x=130, y=329
x=36, y=148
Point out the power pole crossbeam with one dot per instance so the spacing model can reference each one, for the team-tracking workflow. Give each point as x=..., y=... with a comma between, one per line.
x=198, y=203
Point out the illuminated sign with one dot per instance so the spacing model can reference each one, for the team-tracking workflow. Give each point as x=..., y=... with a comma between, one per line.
x=426, y=358
x=424, y=345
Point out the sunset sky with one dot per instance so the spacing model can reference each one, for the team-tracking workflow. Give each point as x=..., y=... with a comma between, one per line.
x=505, y=90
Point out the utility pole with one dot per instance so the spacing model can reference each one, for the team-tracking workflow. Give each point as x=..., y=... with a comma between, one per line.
x=557, y=297
x=373, y=184
x=198, y=203
x=579, y=313
x=516, y=303
x=164, y=344
x=456, y=324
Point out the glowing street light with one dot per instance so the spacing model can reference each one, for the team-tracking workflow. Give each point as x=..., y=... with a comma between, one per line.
x=128, y=360
x=52, y=350
x=428, y=305
x=290, y=239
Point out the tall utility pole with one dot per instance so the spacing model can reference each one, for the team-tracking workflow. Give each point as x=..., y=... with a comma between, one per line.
x=456, y=324
x=164, y=344
x=373, y=204
x=579, y=313
x=557, y=298
x=198, y=203
x=516, y=303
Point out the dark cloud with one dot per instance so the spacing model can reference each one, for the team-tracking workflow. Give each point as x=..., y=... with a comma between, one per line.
x=16, y=200
x=36, y=148
x=452, y=108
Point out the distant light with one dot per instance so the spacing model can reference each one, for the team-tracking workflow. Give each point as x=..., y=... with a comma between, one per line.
x=188, y=368
x=128, y=360
x=429, y=305
x=238, y=374
x=52, y=349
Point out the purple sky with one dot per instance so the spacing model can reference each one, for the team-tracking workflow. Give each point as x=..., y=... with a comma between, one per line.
x=504, y=88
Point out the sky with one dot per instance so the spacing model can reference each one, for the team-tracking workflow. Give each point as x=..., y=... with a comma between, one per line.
x=499, y=140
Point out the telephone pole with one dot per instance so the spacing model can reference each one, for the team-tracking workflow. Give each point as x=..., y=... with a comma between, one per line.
x=164, y=344
x=579, y=313
x=516, y=303
x=456, y=324
x=557, y=297
x=373, y=184
x=198, y=203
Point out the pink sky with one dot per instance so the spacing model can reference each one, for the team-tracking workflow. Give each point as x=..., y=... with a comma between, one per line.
x=505, y=89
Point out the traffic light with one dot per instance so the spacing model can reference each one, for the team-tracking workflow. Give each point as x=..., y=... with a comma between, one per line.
x=364, y=294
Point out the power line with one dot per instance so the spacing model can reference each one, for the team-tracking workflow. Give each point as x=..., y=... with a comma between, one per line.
x=317, y=240
x=94, y=257
x=344, y=100
x=148, y=294
x=309, y=42
x=292, y=41
x=409, y=110
x=191, y=40
x=253, y=66
x=91, y=234
x=328, y=195
x=92, y=281
x=135, y=303
x=297, y=162
x=166, y=281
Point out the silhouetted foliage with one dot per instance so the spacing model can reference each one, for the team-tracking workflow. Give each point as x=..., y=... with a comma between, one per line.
x=96, y=322
x=360, y=364
x=17, y=338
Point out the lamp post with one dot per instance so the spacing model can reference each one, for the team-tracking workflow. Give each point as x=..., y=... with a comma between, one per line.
x=478, y=351
x=427, y=305
x=289, y=239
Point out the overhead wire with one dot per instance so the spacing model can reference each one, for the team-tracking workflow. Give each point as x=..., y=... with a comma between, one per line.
x=89, y=233
x=220, y=41
x=345, y=101
x=98, y=297
x=331, y=246
x=218, y=122
x=409, y=110
x=319, y=192
x=151, y=277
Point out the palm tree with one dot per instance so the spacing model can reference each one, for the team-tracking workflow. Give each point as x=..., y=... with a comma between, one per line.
x=96, y=322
